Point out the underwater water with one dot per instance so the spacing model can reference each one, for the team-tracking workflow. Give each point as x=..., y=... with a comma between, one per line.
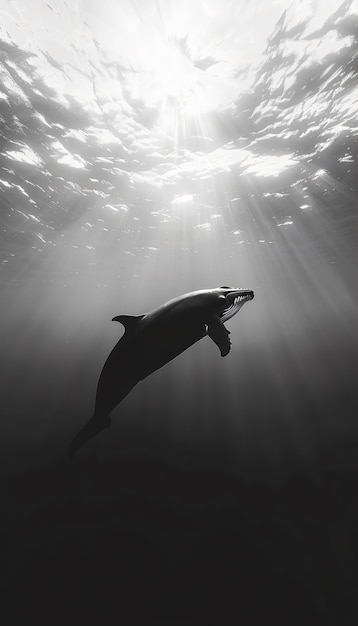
x=149, y=149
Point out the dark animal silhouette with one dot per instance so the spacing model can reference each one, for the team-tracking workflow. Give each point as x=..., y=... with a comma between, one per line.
x=152, y=340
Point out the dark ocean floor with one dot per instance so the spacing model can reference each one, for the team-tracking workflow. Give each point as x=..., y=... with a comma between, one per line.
x=142, y=541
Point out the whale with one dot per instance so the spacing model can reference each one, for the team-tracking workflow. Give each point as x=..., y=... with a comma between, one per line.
x=153, y=339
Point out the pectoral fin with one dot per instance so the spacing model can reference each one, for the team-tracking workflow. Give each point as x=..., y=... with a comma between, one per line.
x=220, y=335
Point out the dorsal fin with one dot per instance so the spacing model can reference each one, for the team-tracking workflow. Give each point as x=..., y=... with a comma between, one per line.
x=129, y=321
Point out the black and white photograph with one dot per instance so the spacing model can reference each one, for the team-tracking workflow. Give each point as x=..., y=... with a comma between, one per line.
x=179, y=312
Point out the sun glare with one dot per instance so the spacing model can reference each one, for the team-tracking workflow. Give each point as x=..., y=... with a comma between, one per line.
x=174, y=85
x=174, y=73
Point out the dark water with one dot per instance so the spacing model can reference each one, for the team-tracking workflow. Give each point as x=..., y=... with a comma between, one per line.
x=226, y=489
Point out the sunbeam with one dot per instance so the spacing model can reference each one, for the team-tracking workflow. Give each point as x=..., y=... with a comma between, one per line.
x=150, y=149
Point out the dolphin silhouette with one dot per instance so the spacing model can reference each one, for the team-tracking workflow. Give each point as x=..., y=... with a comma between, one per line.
x=153, y=339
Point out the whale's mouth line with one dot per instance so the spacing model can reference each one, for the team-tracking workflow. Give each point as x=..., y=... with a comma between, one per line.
x=243, y=296
x=239, y=300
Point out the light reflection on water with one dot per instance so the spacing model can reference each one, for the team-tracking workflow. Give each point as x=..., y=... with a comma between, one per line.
x=113, y=202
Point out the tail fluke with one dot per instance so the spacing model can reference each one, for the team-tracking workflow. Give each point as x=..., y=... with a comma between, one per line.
x=95, y=425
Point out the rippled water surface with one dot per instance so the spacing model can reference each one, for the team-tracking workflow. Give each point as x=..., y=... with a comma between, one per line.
x=153, y=148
